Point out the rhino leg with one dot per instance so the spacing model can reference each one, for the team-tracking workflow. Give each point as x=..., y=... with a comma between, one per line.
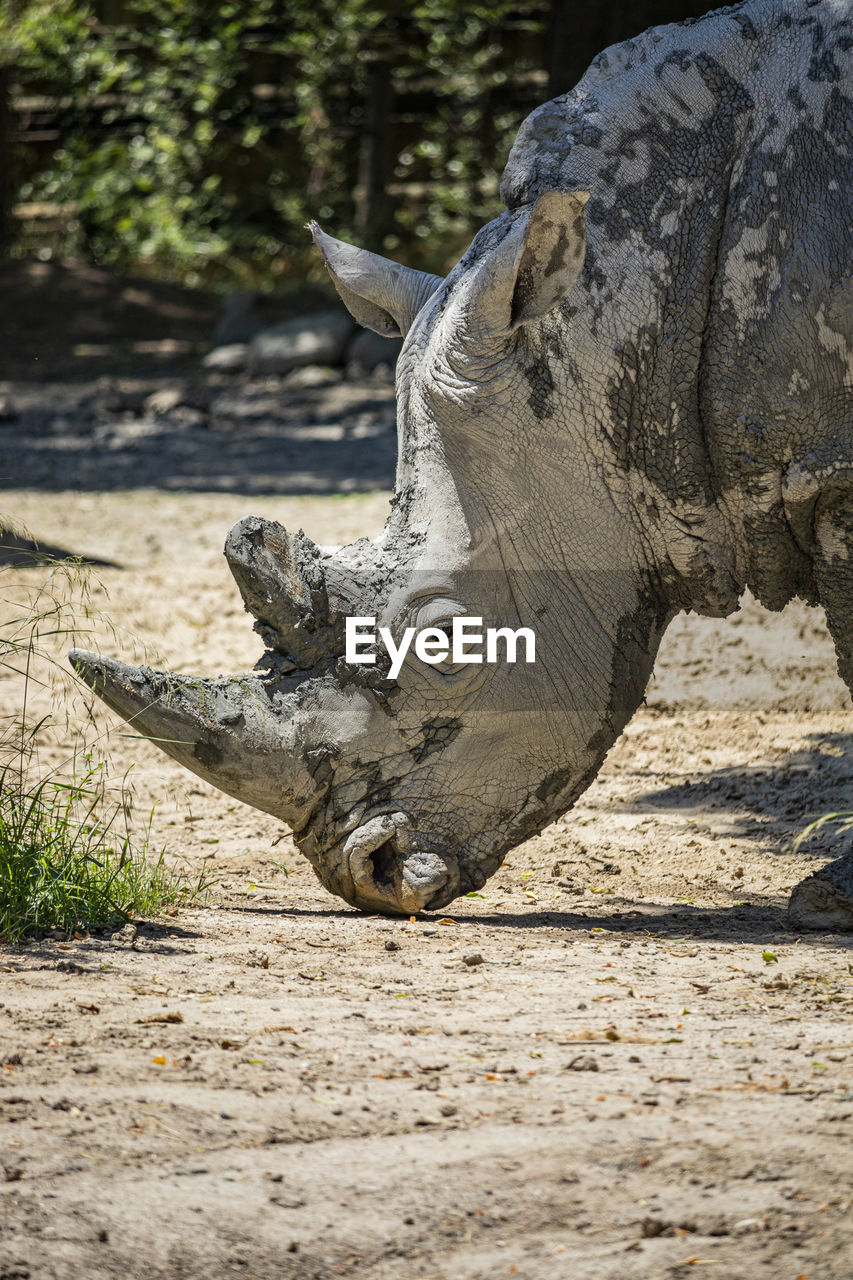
x=818, y=497
x=824, y=901
x=834, y=575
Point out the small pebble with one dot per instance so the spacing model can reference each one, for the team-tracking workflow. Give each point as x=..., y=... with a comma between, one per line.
x=583, y=1062
x=472, y=959
x=391, y=945
x=127, y=933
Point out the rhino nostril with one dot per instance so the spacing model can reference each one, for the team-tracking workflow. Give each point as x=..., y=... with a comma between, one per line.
x=374, y=853
x=396, y=870
x=384, y=863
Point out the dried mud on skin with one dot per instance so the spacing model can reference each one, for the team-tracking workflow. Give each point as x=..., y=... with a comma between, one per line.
x=616, y=1062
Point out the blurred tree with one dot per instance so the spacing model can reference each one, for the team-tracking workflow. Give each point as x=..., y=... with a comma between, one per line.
x=6, y=171
x=194, y=138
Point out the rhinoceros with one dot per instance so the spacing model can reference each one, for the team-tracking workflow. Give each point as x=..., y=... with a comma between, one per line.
x=632, y=396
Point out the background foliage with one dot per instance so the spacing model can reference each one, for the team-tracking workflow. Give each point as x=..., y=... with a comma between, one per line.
x=194, y=138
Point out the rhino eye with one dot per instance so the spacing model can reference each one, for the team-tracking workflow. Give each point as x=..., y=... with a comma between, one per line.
x=448, y=667
x=438, y=612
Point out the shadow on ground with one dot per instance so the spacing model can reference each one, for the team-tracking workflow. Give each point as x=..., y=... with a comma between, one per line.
x=75, y=322
x=193, y=460
x=152, y=937
x=18, y=552
x=204, y=434
x=764, y=802
x=759, y=921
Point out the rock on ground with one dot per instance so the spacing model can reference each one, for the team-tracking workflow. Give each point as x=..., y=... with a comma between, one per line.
x=366, y=350
x=313, y=339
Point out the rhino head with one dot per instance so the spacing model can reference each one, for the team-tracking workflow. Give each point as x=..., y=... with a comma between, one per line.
x=405, y=792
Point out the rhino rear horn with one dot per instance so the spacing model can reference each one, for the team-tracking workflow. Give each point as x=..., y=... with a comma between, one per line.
x=283, y=585
x=380, y=294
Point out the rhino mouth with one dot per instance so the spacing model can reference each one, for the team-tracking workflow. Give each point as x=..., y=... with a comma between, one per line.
x=395, y=870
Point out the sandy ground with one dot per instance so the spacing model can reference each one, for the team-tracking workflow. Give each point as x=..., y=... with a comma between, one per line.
x=617, y=1062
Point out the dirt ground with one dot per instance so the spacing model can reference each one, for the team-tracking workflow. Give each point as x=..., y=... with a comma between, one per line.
x=616, y=1063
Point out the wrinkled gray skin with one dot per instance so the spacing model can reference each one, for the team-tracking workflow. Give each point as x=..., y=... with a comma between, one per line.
x=632, y=396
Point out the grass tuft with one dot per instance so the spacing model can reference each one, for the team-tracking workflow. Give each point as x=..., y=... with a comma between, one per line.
x=72, y=857
x=842, y=821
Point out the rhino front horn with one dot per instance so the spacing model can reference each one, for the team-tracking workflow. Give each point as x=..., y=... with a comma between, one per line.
x=239, y=734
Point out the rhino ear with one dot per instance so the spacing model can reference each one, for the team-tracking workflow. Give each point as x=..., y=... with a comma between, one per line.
x=379, y=294
x=533, y=268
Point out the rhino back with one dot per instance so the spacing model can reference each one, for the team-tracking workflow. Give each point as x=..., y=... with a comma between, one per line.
x=714, y=306
x=777, y=383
